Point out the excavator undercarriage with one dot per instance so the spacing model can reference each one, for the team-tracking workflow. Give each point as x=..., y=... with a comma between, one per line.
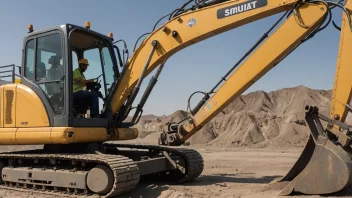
x=114, y=172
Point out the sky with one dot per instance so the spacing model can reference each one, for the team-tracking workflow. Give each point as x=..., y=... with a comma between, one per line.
x=195, y=68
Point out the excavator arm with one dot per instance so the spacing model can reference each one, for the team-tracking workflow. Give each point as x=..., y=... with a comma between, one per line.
x=211, y=18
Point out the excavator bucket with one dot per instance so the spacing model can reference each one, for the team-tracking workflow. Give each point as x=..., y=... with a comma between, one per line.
x=324, y=166
x=301, y=163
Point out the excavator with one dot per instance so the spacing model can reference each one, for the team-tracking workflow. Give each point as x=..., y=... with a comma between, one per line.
x=86, y=155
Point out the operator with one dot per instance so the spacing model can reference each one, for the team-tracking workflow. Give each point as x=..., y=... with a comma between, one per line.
x=79, y=83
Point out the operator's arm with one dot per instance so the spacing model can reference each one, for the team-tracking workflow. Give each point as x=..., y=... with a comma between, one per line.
x=285, y=39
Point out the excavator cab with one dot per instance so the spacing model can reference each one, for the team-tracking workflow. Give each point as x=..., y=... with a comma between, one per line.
x=51, y=55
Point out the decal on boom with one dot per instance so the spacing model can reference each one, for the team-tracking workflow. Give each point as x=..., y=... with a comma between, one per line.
x=241, y=7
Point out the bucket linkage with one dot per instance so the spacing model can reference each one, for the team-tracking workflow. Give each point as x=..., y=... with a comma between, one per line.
x=325, y=165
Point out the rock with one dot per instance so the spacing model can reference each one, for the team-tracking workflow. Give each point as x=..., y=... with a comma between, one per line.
x=222, y=185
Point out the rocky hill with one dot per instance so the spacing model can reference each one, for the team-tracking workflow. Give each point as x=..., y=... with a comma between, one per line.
x=255, y=119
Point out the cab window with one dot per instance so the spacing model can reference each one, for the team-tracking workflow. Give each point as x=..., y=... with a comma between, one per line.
x=108, y=66
x=96, y=50
x=29, y=60
x=94, y=68
x=50, y=70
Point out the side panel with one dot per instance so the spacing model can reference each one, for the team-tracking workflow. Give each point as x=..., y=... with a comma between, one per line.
x=91, y=135
x=65, y=135
x=33, y=135
x=49, y=135
x=61, y=135
x=8, y=136
x=9, y=105
x=55, y=135
x=30, y=111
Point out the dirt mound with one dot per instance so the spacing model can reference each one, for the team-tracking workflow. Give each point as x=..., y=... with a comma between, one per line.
x=153, y=123
x=256, y=119
x=262, y=119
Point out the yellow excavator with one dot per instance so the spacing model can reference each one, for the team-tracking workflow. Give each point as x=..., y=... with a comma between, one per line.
x=85, y=155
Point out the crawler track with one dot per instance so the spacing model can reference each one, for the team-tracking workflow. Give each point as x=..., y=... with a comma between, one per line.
x=194, y=161
x=126, y=174
x=125, y=170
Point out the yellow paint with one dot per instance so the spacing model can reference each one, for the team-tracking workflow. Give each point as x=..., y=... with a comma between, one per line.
x=87, y=24
x=33, y=135
x=127, y=133
x=30, y=111
x=341, y=93
x=259, y=63
x=17, y=81
x=52, y=135
x=9, y=105
x=207, y=25
x=8, y=136
x=91, y=135
x=2, y=106
x=59, y=135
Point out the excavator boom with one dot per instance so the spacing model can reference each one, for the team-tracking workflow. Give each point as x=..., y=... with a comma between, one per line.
x=183, y=31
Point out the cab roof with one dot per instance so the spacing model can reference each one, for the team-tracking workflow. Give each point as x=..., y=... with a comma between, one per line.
x=66, y=28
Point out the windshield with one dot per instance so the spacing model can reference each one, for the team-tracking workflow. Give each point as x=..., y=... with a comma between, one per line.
x=108, y=68
x=97, y=52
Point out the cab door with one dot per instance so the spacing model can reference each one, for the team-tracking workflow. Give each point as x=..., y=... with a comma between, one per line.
x=44, y=71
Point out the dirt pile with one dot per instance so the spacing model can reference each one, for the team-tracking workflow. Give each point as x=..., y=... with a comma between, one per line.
x=256, y=119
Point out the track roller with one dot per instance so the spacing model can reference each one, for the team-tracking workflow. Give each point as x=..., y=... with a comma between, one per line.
x=100, y=179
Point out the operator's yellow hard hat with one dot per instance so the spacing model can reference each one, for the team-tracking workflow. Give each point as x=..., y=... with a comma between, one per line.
x=83, y=61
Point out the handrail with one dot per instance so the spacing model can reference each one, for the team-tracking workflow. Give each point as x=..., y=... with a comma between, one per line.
x=10, y=73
